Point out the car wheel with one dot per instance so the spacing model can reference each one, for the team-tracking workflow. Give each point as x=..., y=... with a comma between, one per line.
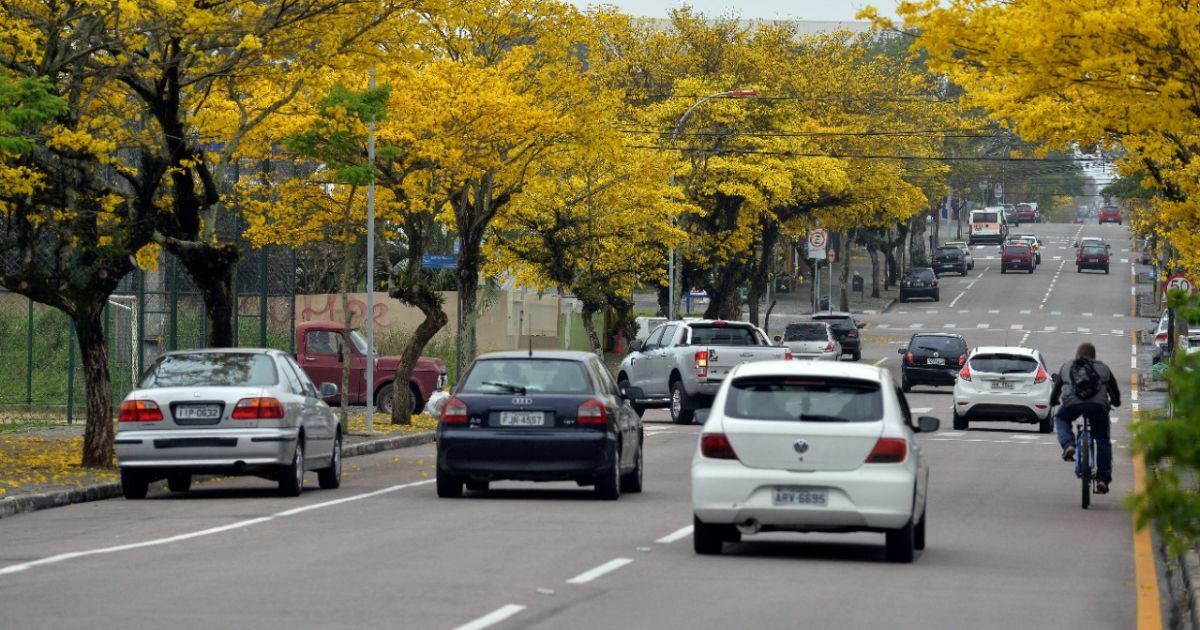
x=937, y=296
x=1003, y=270
x=608, y=484
x=331, y=478
x=960, y=423
x=971, y=266
x=856, y=355
x=709, y=540
x=448, y=486
x=632, y=482
x=1078, y=269
x=901, y=544
x=179, y=482
x=134, y=484
x=680, y=414
x=901, y=299
x=478, y=486
x=1046, y=425
x=1031, y=268
x=964, y=270
x=905, y=386
x=291, y=477
x=383, y=399
x=919, y=530
x=1106, y=271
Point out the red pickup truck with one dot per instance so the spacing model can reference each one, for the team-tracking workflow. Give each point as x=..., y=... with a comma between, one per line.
x=322, y=346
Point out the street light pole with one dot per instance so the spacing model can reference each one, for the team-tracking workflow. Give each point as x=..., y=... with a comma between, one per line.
x=672, y=305
x=370, y=376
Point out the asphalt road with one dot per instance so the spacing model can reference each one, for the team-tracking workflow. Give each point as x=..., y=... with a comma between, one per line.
x=1009, y=546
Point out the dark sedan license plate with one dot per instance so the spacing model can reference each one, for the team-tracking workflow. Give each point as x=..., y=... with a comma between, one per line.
x=932, y=361
x=522, y=418
x=801, y=496
x=198, y=412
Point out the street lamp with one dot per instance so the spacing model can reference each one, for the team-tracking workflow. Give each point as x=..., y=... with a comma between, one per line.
x=672, y=308
x=929, y=228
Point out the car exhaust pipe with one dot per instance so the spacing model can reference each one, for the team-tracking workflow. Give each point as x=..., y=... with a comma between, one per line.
x=750, y=526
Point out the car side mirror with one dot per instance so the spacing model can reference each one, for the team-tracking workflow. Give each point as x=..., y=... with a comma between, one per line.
x=902, y=350
x=328, y=390
x=928, y=424
x=633, y=392
x=636, y=345
x=702, y=415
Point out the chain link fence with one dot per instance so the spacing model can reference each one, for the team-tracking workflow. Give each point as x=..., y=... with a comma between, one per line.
x=41, y=378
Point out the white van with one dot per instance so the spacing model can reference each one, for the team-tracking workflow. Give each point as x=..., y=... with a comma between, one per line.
x=988, y=226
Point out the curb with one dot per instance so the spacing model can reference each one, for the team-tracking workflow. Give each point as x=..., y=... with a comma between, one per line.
x=12, y=506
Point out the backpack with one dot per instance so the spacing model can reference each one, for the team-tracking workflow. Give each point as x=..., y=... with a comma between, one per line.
x=1085, y=381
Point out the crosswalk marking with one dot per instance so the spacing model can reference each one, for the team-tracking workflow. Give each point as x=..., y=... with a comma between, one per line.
x=993, y=312
x=1087, y=314
x=1117, y=331
x=983, y=326
x=1083, y=330
x=1050, y=328
x=1026, y=312
x=1017, y=327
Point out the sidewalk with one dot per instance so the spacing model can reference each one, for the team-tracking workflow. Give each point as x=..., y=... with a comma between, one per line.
x=39, y=462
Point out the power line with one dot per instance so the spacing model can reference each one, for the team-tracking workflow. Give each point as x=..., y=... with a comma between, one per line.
x=848, y=156
x=955, y=133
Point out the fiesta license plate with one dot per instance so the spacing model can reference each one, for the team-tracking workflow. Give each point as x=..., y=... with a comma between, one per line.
x=1002, y=385
x=522, y=418
x=801, y=496
x=198, y=412
x=935, y=361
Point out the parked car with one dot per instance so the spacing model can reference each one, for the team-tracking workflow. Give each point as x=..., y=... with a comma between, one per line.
x=845, y=328
x=1034, y=242
x=321, y=347
x=802, y=447
x=681, y=365
x=987, y=226
x=1017, y=256
x=1028, y=213
x=227, y=412
x=1110, y=214
x=949, y=258
x=918, y=282
x=932, y=359
x=966, y=250
x=1161, y=333
x=1091, y=257
x=1009, y=384
x=539, y=416
x=1010, y=216
x=811, y=340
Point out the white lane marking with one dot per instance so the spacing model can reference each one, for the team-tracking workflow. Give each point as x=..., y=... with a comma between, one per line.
x=1017, y=327
x=956, y=299
x=1056, y=312
x=1025, y=338
x=1118, y=315
x=492, y=618
x=881, y=361
x=921, y=409
x=17, y=568
x=1026, y=312
x=993, y=312
x=1133, y=394
x=1125, y=260
x=1059, y=257
x=1083, y=330
x=1133, y=290
x=607, y=567
x=679, y=534
x=1050, y=329
x=1117, y=331
x=915, y=326
x=963, y=312
x=1133, y=350
x=1024, y=437
x=983, y=325
x=882, y=326
x=950, y=326
x=1087, y=314
x=952, y=434
x=1133, y=362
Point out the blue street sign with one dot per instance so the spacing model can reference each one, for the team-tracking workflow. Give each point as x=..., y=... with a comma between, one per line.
x=439, y=261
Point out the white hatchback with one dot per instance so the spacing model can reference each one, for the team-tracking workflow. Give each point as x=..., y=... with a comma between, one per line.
x=1003, y=383
x=810, y=447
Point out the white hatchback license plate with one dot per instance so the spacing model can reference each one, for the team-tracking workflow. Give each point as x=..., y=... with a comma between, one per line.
x=936, y=361
x=198, y=412
x=1002, y=385
x=522, y=418
x=801, y=496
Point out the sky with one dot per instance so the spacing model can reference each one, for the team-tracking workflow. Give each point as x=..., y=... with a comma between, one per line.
x=841, y=10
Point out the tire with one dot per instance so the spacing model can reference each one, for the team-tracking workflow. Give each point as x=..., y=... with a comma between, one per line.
x=291, y=477
x=905, y=386
x=1078, y=269
x=960, y=423
x=179, y=482
x=919, y=531
x=608, y=483
x=448, y=486
x=330, y=478
x=902, y=544
x=709, y=540
x=971, y=267
x=1047, y=425
x=856, y=355
x=902, y=299
x=478, y=486
x=383, y=399
x=964, y=270
x=1085, y=472
x=937, y=296
x=632, y=482
x=1003, y=269
x=1106, y=271
x=134, y=484
x=1031, y=268
x=680, y=414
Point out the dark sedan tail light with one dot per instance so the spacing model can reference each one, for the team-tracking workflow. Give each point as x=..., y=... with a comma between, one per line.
x=592, y=412
x=455, y=412
x=908, y=357
x=257, y=409
x=716, y=446
x=140, y=411
x=853, y=332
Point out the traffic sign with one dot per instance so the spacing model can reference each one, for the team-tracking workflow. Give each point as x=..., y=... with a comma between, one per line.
x=1180, y=282
x=817, y=239
x=831, y=255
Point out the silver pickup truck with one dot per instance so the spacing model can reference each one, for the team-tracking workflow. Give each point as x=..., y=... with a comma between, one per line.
x=682, y=363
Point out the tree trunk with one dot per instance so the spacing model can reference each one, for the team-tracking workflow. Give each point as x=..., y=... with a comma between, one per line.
x=760, y=278
x=98, y=433
x=844, y=294
x=767, y=321
x=873, y=252
x=589, y=326
x=211, y=268
x=435, y=320
x=468, y=300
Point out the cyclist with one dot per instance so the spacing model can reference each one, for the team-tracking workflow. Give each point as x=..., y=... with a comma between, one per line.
x=1086, y=387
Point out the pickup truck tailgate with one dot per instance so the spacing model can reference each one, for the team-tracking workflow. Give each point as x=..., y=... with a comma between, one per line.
x=722, y=359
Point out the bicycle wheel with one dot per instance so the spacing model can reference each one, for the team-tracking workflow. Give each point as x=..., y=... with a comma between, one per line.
x=1085, y=467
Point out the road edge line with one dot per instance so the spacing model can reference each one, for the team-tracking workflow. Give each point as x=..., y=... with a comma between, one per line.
x=1145, y=565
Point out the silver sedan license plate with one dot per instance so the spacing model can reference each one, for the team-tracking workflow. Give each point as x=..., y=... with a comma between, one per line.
x=522, y=418
x=197, y=412
x=801, y=496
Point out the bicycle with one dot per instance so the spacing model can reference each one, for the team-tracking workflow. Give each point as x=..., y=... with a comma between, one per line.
x=1085, y=460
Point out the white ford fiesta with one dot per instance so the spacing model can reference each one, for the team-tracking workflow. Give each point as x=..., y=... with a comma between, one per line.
x=810, y=447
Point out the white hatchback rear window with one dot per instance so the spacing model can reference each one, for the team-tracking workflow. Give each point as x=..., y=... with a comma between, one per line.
x=804, y=399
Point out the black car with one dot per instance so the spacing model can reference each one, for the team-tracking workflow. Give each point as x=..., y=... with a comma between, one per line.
x=539, y=416
x=846, y=330
x=932, y=359
x=1010, y=216
x=919, y=282
x=949, y=258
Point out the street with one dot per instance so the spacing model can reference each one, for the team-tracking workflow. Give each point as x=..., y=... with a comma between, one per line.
x=1009, y=546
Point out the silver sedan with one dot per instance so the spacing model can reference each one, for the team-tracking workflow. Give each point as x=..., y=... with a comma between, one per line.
x=227, y=411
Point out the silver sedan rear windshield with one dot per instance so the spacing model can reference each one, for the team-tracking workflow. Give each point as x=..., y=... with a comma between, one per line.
x=212, y=369
x=804, y=399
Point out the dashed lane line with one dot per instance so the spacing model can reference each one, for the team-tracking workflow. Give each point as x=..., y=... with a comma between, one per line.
x=679, y=534
x=492, y=618
x=597, y=572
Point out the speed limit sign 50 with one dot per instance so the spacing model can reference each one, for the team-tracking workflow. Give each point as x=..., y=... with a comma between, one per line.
x=1181, y=283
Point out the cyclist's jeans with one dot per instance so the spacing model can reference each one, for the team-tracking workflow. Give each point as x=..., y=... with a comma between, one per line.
x=1097, y=416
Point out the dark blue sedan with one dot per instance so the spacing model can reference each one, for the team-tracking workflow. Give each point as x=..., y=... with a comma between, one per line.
x=540, y=416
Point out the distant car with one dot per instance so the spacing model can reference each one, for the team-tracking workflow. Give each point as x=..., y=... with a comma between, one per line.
x=1091, y=257
x=1093, y=240
x=918, y=282
x=1160, y=336
x=812, y=340
x=1017, y=256
x=845, y=327
x=1010, y=216
x=949, y=258
x=1034, y=242
x=1003, y=384
x=227, y=412
x=539, y=416
x=1015, y=240
x=932, y=359
x=987, y=226
x=966, y=250
x=806, y=447
x=1028, y=213
x=1110, y=215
